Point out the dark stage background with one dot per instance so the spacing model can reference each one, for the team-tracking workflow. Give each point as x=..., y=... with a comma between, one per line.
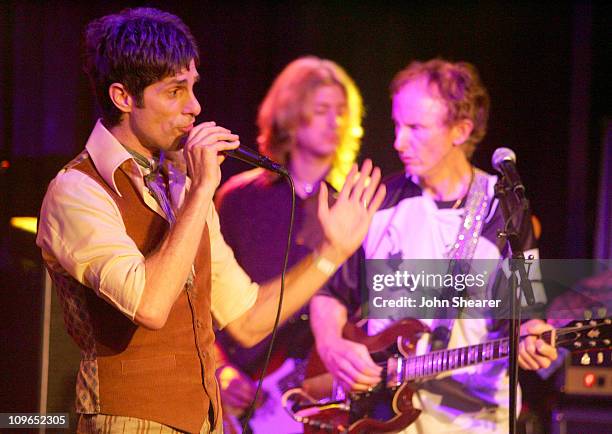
x=546, y=66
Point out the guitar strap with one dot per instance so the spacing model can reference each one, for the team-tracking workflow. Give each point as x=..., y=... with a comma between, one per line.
x=461, y=253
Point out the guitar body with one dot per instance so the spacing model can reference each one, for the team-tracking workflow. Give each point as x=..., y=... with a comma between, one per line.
x=389, y=406
x=270, y=416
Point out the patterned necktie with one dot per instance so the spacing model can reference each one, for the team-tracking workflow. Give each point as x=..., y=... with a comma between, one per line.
x=158, y=187
x=155, y=182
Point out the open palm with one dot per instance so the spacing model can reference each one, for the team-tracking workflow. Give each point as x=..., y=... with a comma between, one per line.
x=346, y=223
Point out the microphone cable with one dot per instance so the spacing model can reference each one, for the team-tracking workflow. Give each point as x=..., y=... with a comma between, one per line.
x=246, y=429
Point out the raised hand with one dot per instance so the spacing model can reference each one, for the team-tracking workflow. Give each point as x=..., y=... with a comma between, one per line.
x=345, y=225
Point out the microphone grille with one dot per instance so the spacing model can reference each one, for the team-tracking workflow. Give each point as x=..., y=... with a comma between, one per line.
x=500, y=155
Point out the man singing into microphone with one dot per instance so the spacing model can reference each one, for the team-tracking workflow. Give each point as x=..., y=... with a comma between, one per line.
x=133, y=245
x=432, y=210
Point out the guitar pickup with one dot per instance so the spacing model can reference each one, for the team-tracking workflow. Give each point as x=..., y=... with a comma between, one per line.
x=395, y=370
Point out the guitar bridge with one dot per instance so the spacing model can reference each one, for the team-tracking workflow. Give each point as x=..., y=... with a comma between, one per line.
x=394, y=371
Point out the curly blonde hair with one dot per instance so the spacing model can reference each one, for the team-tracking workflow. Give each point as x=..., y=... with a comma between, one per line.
x=459, y=85
x=285, y=107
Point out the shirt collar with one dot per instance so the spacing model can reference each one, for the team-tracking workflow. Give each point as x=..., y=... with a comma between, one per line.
x=106, y=153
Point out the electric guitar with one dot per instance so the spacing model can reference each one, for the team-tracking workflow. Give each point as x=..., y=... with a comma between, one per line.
x=270, y=416
x=394, y=349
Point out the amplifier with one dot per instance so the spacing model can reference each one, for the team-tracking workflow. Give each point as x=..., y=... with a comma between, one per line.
x=581, y=420
x=589, y=373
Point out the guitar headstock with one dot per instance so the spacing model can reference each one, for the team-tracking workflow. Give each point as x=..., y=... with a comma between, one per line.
x=586, y=335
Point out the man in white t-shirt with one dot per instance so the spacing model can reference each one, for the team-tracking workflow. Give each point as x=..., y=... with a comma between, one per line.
x=440, y=110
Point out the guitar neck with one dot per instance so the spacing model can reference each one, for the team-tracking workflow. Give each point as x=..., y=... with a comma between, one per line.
x=582, y=335
x=436, y=362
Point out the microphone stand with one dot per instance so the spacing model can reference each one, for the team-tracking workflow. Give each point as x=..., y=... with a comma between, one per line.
x=512, y=206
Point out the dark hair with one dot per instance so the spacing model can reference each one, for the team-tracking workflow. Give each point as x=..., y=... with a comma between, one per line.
x=136, y=48
x=459, y=85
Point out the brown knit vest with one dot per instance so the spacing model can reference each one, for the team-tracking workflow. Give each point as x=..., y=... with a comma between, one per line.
x=165, y=375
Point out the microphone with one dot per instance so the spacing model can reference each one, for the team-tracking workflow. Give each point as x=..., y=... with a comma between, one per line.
x=504, y=161
x=254, y=158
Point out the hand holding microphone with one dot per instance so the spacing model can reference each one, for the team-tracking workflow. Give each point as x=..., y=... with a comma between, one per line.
x=221, y=140
x=202, y=152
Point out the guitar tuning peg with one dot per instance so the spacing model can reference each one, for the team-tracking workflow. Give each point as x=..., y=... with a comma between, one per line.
x=607, y=321
x=593, y=322
x=607, y=342
x=577, y=344
x=592, y=343
x=593, y=333
x=588, y=314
